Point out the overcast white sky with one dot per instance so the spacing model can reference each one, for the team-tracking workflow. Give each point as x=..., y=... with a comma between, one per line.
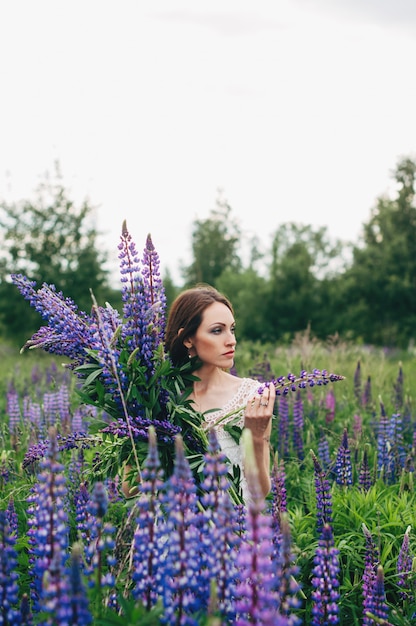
x=298, y=109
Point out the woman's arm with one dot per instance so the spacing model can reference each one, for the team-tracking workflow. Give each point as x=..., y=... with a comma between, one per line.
x=257, y=419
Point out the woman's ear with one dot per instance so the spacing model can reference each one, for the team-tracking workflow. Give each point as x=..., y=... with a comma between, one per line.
x=187, y=343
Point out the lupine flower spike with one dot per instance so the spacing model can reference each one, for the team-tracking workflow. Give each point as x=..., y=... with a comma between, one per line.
x=9, y=591
x=343, y=466
x=323, y=495
x=257, y=601
x=148, y=544
x=325, y=594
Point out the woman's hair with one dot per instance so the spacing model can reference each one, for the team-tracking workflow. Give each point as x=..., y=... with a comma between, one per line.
x=186, y=313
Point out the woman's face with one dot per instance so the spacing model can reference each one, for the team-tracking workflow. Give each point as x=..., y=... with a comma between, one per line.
x=214, y=341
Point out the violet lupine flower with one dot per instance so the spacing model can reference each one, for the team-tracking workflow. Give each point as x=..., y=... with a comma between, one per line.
x=298, y=426
x=148, y=541
x=278, y=490
x=364, y=477
x=12, y=519
x=256, y=599
x=397, y=455
x=325, y=594
x=376, y=602
x=100, y=541
x=32, y=413
x=155, y=297
x=358, y=383
x=47, y=517
x=367, y=397
x=67, y=332
x=13, y=409
x=283, y=416
x=343, y=466
x=81, y=500
x=218, y=541
x=64, y=597
x=305, y=380
x=80, y=614
x=323, y=495
x=383, y=458
x=26, y=617
x=323, y=451
x=398, y=389
x=51, y=408
x=9, y=591
x=181, y=577
x=404, y=567
x=371, y=562
x=286, y=585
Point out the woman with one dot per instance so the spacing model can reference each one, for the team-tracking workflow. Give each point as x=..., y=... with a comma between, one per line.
x=201, y=324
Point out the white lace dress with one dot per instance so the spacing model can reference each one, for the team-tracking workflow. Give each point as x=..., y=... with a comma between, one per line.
x=229, y=446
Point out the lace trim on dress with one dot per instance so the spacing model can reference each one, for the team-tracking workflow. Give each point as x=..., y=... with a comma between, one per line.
x=247, y=389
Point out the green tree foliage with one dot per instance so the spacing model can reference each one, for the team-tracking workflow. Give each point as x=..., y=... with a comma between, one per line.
x=215, y=243
x=49, y=239
x=381, y=283
x=302, y=258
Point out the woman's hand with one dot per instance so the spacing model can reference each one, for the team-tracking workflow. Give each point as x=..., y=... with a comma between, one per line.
x=258, y=419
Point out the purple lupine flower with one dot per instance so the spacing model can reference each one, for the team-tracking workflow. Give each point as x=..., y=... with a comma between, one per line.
x=278, y=490
x=26, y=617
x=323, y=495
x=367, y=397
x=64, y=408
x=180, y=579
x=79, y=606
x=371, y=562
x=364, y=477
x=398, y=389
x=305, y=380
x=323, y=451
x=148, y=541
x=155, y=296
x=218, y=540
x=283, y=417
x=100, y=541
x=32, y=413
x=13, y=409
x=404, y=568
x=12, y=519
x=376, y=602
x=383, y=460
x=298, y=426
x=396, y=452
x=81, y=500
x=51, y=408
x=67, y=332
x=9, y=591
x=330, y=404
x=47, y=517
x=357, y=383
x=325, y=583
x=343, y=466
x=256, y=599
x=286, y=571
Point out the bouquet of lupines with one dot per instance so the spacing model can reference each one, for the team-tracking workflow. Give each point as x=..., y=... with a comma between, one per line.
x=120, y=361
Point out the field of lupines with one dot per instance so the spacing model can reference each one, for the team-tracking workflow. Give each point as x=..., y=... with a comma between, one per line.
x=333, y=542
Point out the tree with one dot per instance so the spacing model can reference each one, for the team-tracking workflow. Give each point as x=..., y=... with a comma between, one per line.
x=302, y=257
x=49, y=239
x=382, y=279
x=214, y=246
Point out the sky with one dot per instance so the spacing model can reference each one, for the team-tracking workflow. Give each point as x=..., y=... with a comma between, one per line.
x=294, y=110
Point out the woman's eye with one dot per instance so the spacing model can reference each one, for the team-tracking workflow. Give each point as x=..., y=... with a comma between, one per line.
x=216, y=331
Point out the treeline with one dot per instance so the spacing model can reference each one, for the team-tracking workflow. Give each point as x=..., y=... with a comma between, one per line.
x=364, y=291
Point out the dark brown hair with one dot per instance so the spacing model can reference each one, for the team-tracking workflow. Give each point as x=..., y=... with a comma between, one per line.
x=186, y=313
